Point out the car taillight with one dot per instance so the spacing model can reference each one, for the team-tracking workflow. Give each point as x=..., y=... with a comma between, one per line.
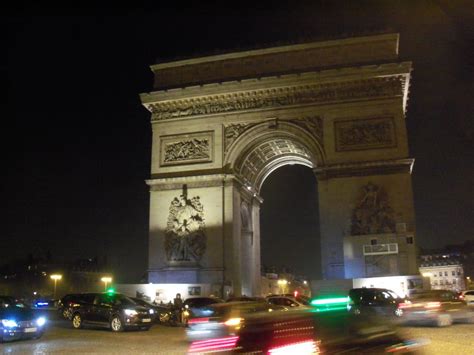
x=433, y=305
x=219, y=344
x=198, y=320
x=302, y=347
x=404, y=305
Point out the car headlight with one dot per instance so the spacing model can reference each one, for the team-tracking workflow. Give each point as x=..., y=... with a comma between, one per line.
x=41, y=321
x=152, y=311
x=9, y=323
x=130, y=312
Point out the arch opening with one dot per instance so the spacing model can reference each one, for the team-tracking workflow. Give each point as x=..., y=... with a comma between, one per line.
x=289, y=222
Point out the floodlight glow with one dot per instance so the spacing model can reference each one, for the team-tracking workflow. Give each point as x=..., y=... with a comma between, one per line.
x=106, y=279
x=56, y=277
x=41, y=321
x=330, y=301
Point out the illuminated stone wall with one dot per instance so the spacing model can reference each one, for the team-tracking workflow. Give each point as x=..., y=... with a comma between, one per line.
x=222, y=124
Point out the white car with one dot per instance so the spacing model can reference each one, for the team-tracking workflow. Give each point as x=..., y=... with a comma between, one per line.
x=468, y=296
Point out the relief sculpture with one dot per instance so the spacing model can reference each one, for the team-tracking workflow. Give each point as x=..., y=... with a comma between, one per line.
x=372, y=215
x=191, y=149
x=314, y=125
x=185, y=240
x=271, y=98
x=365, y=134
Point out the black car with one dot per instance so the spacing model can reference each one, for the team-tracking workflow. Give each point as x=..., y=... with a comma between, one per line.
x=156, y=309
x=18, y=321
x=113, y=310
x=67, y=304
x=374, y=301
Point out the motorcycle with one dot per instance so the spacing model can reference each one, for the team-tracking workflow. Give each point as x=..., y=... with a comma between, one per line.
x=175, y=317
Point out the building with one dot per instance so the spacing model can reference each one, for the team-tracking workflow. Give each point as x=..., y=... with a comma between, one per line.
x=445, y=270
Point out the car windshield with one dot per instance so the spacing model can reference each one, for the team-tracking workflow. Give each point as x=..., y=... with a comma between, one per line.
x=201, y=302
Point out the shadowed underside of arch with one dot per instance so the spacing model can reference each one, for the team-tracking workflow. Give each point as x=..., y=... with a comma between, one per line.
x=260, y=151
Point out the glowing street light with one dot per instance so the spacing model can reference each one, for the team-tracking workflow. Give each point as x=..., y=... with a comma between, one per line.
x=282, y=283
x=56, y=278
x=106, y=280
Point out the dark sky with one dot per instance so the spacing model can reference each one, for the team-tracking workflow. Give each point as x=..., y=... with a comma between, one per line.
x=76, y=140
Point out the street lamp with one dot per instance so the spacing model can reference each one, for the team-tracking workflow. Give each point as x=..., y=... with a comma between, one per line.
x=55, y=277
x=282, y=284
x=106, y=280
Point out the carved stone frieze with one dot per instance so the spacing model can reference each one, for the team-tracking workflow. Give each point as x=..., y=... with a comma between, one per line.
x=371, y=133
x=179, y=149
x=185, y=240
x=372, y=214
x=277, y=97
x=313, y=125
x=233, y=131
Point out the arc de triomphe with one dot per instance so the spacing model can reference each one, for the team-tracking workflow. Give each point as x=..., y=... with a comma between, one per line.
x=221, y=124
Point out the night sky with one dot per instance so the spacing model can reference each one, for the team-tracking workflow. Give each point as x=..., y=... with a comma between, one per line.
x=76, y=140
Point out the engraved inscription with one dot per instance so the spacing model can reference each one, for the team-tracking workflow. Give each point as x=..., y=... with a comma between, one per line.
x=365, y=134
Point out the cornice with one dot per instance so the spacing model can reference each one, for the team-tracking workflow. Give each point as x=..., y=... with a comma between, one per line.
x=365, y=168
x=277, y=97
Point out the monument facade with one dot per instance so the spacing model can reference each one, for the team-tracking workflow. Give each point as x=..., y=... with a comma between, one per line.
x=221, y=124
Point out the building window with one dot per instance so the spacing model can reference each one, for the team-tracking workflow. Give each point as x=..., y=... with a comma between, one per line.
x=409, y=240
x=453, y=273
x=459, y=273
x=373, y=242
x=435, y=275
x=441, y=282
x=435, y=283
x=445, y=273
x=440, y=273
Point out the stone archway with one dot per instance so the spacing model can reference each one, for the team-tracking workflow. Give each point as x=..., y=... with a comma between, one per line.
x=222, y=124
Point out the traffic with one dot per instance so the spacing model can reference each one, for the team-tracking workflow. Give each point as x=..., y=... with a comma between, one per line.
x=364, y=320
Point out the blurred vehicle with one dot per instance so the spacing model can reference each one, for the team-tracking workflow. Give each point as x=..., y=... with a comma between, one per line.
x=288, y=301
x=246, y=299
x=45, y=303
x=113, y=310
x=196, y=305
x=222, y=319
x=468, y=296
x=18, y=321
x=301, y=331
x=374, y=301
x=437, y=307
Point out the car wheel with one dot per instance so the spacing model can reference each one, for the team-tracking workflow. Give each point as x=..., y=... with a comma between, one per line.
x=38, y=335
x=444, y=320
x=116, y=324
x=77, y=321
x=398, y=312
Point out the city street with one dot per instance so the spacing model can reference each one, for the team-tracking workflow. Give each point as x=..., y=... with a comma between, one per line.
x=60, y=338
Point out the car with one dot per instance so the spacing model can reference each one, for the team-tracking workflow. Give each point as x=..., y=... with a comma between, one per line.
x=436, y=307
x=222, y=319
x=113, y=310
x=301, y=331
x=18, y=321
x=468, y=296
x=195, y=305
x=67, y=304
x=157, y=309
x=288, y=301
x=374, y=301
x=246, y=299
